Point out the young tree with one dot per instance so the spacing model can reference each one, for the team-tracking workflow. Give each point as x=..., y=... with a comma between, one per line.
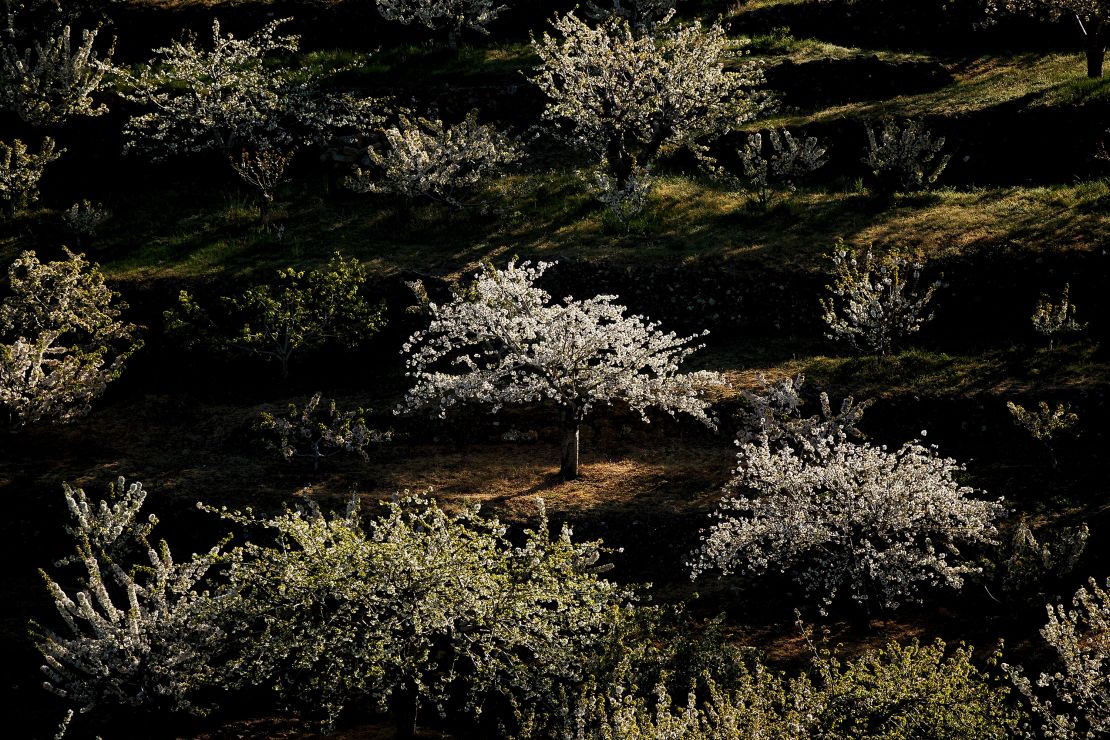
x=51, y=82
x=1080, y=686
x=318, y=432
x=231, y=97
x=63, y=340
x=1092, y=17
x=1052, y=319
x=264, y=170
x=426, y=158
x=451, y=15
x=847, y=516
x=21, y=170
x=626, y=98
x=511, y=345
x=134, y=635
x=302, y=309
x=904, y=159
x=875, y=302
x=416, y=609
x=792, y=158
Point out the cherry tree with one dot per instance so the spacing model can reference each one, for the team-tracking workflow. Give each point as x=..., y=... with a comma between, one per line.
x=1092, y=17
x=62, y=339
x=847, y=516
x=627, y=98
x=1080, y=685
x=451, y=15
x=232, y=96
x=505, y=342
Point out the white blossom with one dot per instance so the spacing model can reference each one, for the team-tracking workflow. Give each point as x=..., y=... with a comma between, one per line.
x=626, y=98
x=51, y=82
x=504, y=342
x=425, y=158
x=624, y=202
x=848, y=518
x=1078, y=703
x=451, y=15
x=63, y=339
x=875, y=302
x=21, y=170
x=228, y=98
x=131, y=637
x=904, y=159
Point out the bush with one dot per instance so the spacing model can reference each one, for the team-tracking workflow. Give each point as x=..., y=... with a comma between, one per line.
x=425, y=158
x=302, y=309
x=63, y=340
x=1078, y=691
x=84, y=218
x=792, y=159
x=135, y=633
x=232, y=97
x=420, y=608
x=896, y=693
x=904, y=159
x=50, y=83
x=1052, y=319
x=318, y=432
x=20, y=172
x=451, y=15
x=875, y=302
x=845, y=517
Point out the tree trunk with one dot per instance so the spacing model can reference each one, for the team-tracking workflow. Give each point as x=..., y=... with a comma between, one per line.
x=406, y=712
x=1096, y=54
x=568, y=465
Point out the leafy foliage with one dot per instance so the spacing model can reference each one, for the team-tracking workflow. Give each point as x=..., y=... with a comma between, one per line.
x=301, y=309
x=875, y=301
x=63, y=342
x=896, y=692
x=419, y=608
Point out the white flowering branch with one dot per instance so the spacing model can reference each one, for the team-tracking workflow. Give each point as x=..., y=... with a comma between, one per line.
x=507, y=343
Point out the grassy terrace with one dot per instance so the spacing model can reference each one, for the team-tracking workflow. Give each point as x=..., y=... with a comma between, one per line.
x=166, y=423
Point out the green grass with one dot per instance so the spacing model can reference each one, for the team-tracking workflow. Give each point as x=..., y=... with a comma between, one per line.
x=184, y=231
x=1024, y=81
